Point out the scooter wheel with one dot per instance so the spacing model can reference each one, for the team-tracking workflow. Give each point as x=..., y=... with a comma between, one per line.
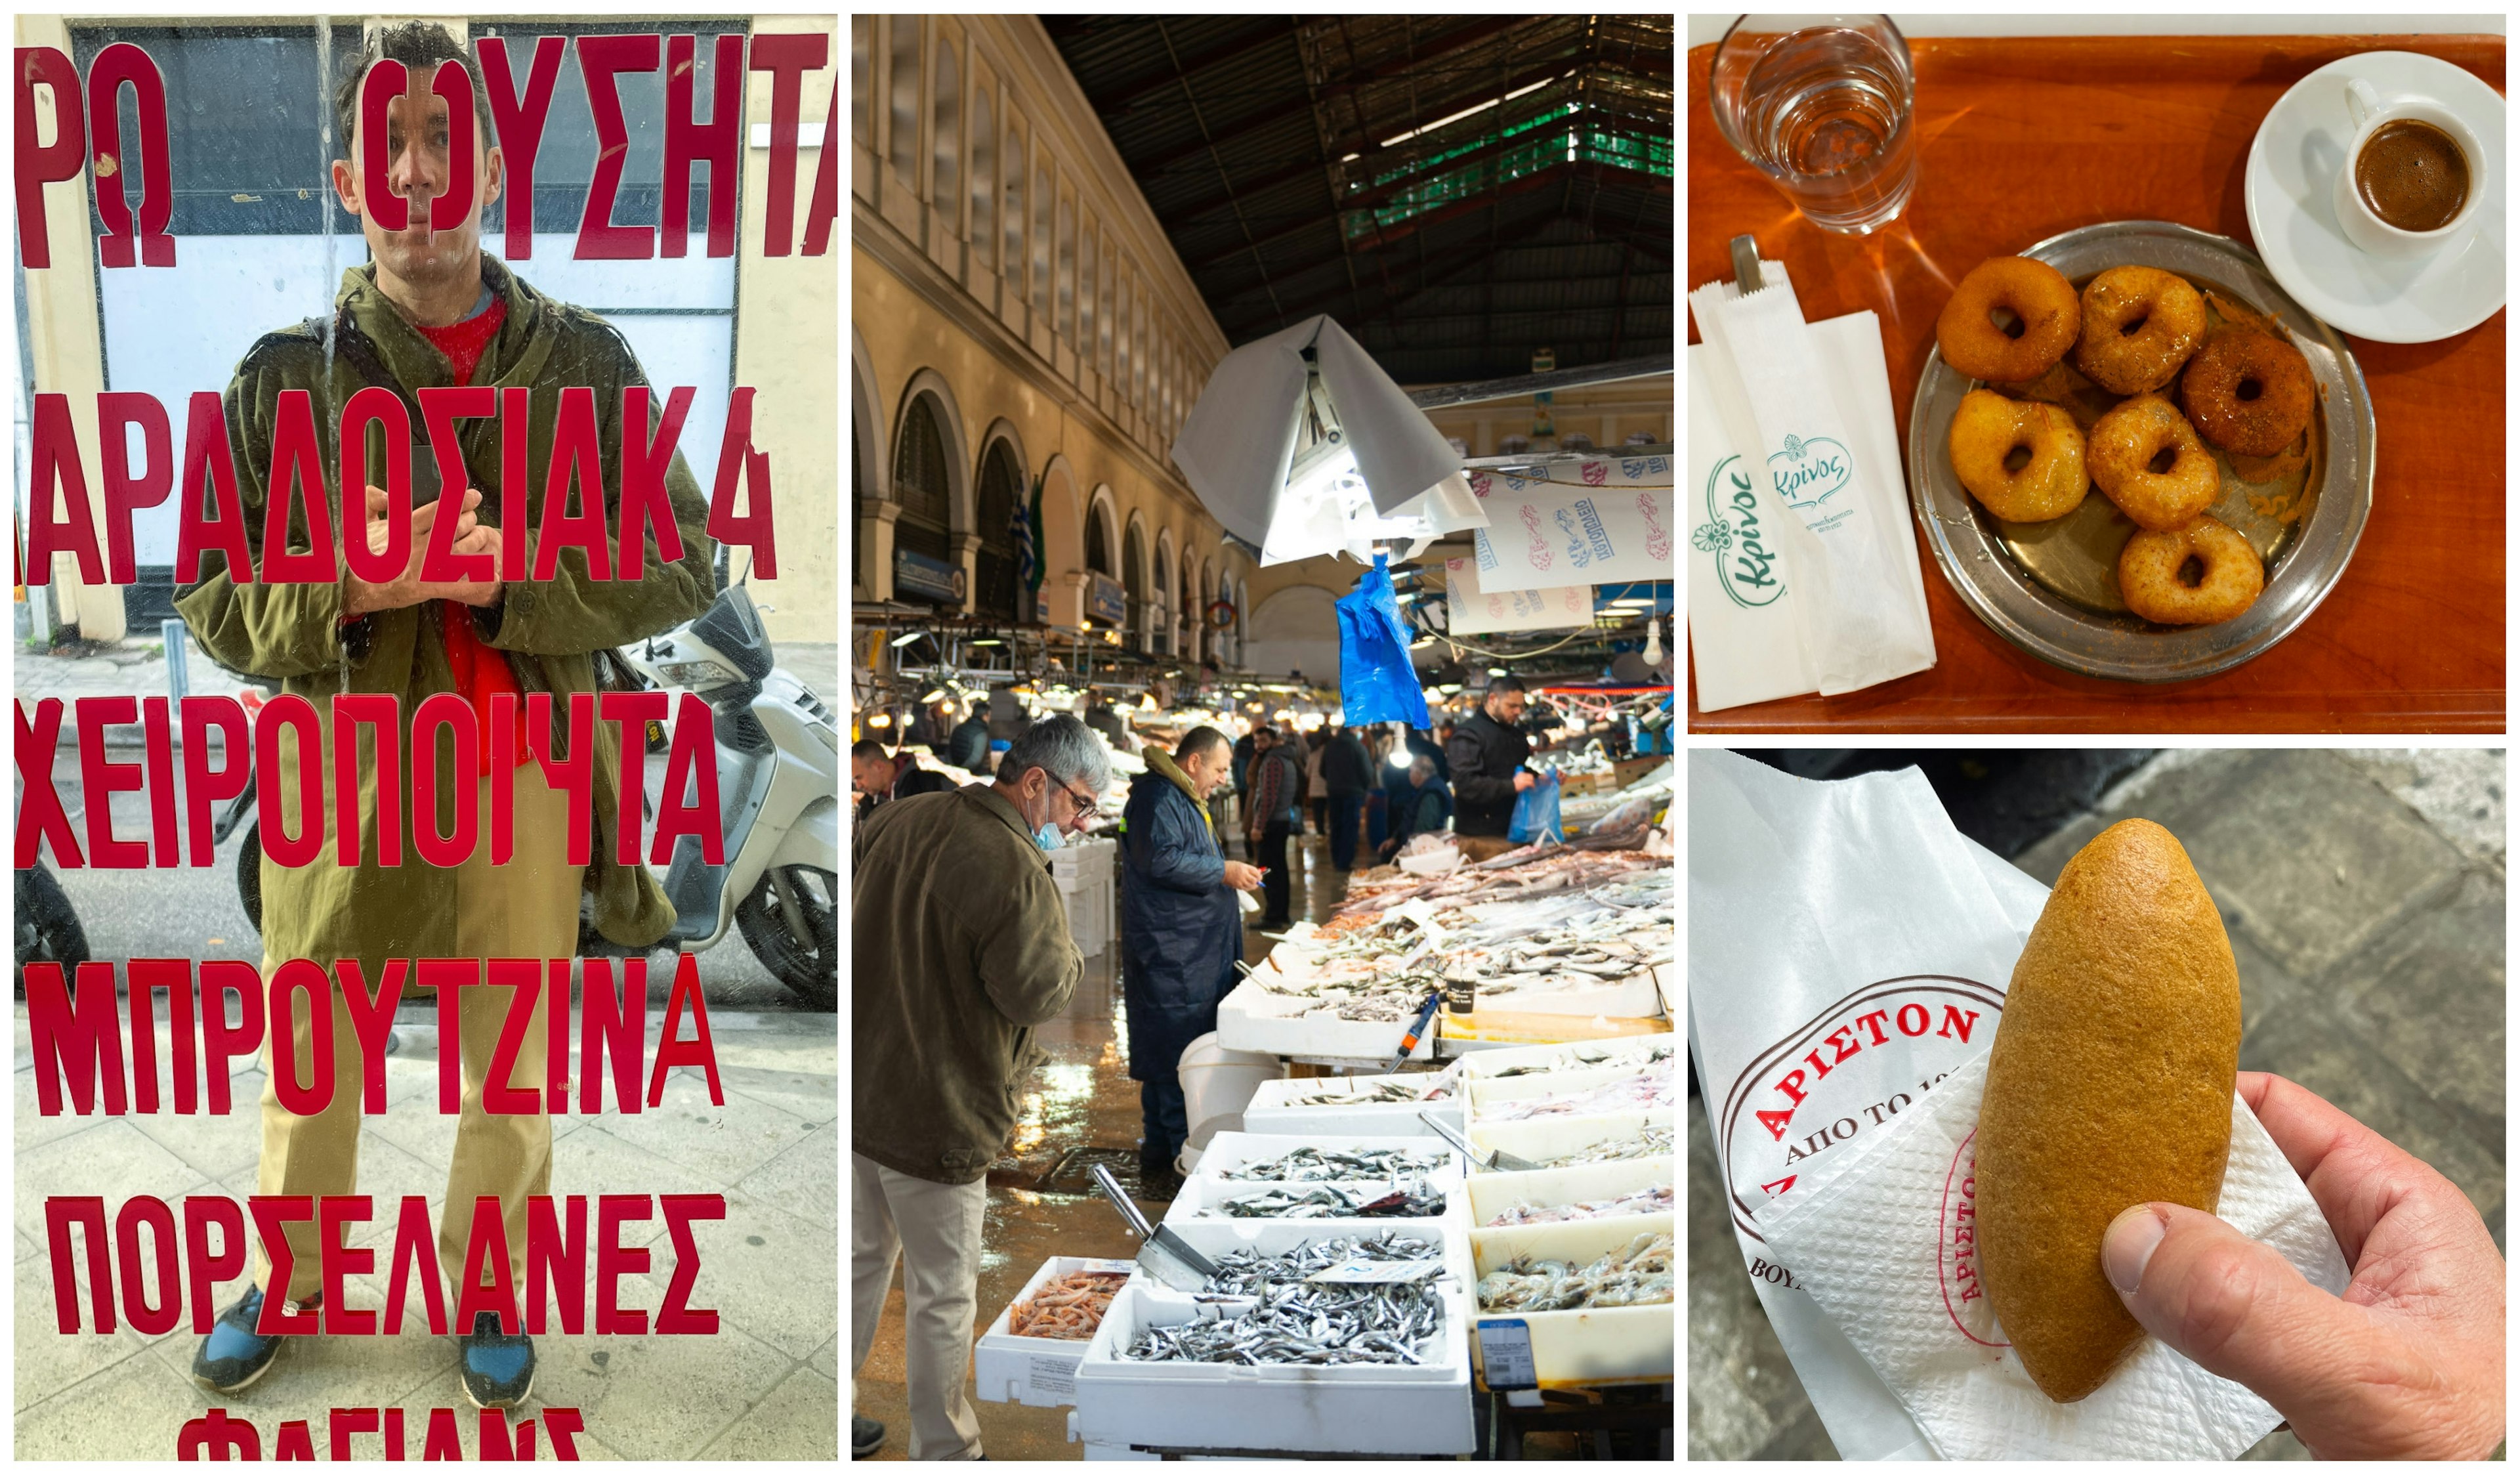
x=808, y=965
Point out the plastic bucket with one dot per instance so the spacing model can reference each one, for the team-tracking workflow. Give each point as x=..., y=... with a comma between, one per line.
x=1218, y=1085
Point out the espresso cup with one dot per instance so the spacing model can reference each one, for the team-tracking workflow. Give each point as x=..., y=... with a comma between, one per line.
x=2362, y=225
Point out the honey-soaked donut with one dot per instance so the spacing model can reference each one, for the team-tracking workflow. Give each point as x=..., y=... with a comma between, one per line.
x=2248, y=391
x=2152, y=574
x=2141, y=435
x=2139, y=324
x=2036, y=293
x=1987, y=430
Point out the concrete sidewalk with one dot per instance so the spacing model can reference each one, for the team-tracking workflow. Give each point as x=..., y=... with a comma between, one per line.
x=2363, y=894
x=765, y=1387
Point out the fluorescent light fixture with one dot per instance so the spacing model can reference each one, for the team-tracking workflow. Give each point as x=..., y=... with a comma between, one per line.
x=898, y=641
x=1350, y=158
x=990, y=640
x=1455, y=118
x=1498, y=671
x=880, y=719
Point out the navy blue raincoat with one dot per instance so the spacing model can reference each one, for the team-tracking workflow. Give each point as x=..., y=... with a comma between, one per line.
x=1181, y=929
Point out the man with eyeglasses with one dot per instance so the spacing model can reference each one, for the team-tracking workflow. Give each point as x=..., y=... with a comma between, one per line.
x=960, y=950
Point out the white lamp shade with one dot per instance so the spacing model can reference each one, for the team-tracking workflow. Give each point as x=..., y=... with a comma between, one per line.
x=1239, y=446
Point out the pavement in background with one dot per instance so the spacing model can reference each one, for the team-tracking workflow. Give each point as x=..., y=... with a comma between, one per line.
x=765, y=1387
x=2364, y=892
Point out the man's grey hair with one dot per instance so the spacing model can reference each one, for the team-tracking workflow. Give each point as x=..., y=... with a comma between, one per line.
x=1063, y=747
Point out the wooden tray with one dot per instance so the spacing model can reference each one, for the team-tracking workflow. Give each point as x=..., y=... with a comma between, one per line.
x=2025, y=138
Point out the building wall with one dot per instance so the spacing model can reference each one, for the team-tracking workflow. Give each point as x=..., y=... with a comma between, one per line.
x=788, y=347
x=1085, y=360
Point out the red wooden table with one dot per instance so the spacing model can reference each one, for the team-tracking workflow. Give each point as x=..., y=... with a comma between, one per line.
x=2023, y=138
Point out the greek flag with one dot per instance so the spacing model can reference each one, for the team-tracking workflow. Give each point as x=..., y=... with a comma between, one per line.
x=1027, y=554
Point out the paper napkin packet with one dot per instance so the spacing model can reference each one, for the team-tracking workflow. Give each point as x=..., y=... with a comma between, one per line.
x=1875, y=1239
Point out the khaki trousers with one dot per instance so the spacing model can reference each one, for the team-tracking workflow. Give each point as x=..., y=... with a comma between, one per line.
x=524, y=908
x=934, y=1231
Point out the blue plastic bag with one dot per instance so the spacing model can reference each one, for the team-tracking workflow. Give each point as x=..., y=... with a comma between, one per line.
x=1535, y=813
x=1376, y=683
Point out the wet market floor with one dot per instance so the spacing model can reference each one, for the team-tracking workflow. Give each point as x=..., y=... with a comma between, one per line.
x=1083, y=1099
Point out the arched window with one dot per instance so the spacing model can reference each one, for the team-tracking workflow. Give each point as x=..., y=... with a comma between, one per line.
x=1097, y=544
x=1000, y=593
x=947, y=145
x=1043, y=203
x=1085, y=304
x=1138, y=353
x=1102, y=329
x=861, y=61
x=905, y=100
x=1160, y=618
x=924, y=483
x=1193, y=607
x=1010, y=163
x=1067, y=270
x=1128, y=306
x=985, y=182
x=1132, y=579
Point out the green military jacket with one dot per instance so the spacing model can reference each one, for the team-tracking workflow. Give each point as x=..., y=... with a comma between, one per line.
x=958, y=949
x=548, y=630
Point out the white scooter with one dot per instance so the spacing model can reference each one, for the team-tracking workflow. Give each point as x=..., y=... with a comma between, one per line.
x=779, y=784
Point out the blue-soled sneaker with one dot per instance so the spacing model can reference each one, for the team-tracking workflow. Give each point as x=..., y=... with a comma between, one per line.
x=234, y=1356
x=498, y=1369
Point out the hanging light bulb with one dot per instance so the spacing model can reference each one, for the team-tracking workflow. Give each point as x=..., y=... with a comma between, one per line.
x=1653, y=641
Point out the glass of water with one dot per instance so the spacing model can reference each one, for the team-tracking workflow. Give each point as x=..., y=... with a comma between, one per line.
x=1825, y=106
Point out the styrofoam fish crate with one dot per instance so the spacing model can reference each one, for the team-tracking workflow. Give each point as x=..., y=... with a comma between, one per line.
x=1578, y=1349
x=1491, y=1100
x=1276, y=1110
x=1229, y=1151
x=1493, y=1193
x=1201, y=1200
x=1250, y=1018
x=1551, y=1136
x=1037, y=1370
x=1492, y=1064
x=1371, y=1409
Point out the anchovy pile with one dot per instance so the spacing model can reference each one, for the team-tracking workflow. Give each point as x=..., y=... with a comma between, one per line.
x=1655, y=1142
x=1654, y=1200
x=1330, y=1202
x=1576, y=1060
x=1316, y=1165
x=1631, y=1095
x=1300, y=1323
x=1638, y=1274
x=1387, y=1091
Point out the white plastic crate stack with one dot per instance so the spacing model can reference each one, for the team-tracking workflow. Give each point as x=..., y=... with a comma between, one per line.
x=1083, y=869
x=1355, y=1408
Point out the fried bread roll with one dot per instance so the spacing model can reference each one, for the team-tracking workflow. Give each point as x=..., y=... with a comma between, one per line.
x=2109, y=1085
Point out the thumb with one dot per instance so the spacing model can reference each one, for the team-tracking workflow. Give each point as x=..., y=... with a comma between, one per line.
x=2236, y=1308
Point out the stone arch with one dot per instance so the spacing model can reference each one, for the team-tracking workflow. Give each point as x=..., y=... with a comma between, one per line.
x=1294, y=630
x=868, y=420
x=1062, y=542
x=1137, y=577
x=959, y=457
x=1166, y=593
x=1104, y=510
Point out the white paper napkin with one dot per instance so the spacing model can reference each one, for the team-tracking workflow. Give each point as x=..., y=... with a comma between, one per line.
x=1870, y=1235
x=1813, y=419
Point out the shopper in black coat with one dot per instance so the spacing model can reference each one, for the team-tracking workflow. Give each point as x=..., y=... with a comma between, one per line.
x=1487, y=753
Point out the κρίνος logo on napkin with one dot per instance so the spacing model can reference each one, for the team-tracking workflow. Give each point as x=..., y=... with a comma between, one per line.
x=1810, y=472
x=1734, y=537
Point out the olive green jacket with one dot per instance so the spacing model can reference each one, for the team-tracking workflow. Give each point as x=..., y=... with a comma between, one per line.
x=548, y=630
x=958, y=948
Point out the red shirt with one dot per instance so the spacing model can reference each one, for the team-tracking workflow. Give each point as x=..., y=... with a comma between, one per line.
x=480, y=671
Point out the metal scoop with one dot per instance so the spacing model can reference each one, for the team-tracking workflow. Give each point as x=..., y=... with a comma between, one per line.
x=1165, y=1254
x=1494, y=1162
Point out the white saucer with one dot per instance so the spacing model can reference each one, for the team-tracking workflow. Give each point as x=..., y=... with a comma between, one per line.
x=2292, y=171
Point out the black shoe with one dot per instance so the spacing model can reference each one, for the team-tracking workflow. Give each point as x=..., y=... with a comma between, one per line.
x=234, y=1356
x=865, y=1436
x=498, y=1369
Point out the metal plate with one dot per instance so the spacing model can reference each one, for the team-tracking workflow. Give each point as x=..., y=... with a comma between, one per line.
x=2052, y=589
